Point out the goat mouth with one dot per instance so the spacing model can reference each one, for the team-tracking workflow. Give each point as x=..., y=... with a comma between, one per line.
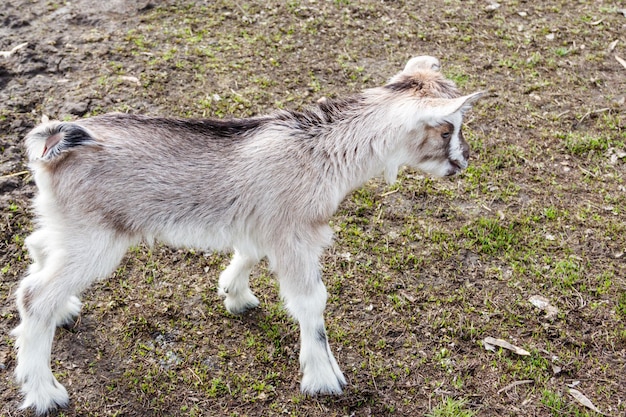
x=456, y=167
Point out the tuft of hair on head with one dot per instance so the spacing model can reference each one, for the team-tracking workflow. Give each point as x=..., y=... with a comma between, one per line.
x=416, y=65
x=421, y=78
x=424, y=62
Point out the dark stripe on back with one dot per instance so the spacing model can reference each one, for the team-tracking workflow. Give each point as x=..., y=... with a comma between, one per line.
x=230, y=128
x=326, y=112
x=225, y=129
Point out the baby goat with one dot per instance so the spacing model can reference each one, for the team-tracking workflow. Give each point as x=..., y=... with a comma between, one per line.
x=264, y=186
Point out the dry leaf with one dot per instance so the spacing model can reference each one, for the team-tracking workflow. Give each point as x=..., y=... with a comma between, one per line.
x=489, y=342
x=580, y=397
x=620, y=60
x=542, y=303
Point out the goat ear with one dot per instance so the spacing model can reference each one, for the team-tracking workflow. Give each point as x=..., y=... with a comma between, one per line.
x=424, y=62
x=440, y=108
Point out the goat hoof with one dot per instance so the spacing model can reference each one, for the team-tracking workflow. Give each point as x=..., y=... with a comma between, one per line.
x=240, y=303
x=318, y=384
x=44, y=397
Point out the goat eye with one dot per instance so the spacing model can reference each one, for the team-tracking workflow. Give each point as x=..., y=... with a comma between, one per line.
x=446, y=135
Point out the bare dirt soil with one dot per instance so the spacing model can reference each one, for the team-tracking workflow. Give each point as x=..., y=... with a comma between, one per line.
x=421, y=272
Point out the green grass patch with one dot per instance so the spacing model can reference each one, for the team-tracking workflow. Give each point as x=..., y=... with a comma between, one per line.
x=451, y=407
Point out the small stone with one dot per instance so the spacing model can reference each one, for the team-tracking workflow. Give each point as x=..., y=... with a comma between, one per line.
x=492, y=6
x=76, y=108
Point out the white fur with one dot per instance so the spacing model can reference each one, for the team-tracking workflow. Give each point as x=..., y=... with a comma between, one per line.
x=40, y=388
x=233, y=284
x=421, y=62
x=265, y=186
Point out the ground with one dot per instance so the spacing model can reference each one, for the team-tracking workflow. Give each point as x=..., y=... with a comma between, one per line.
x=421, y=272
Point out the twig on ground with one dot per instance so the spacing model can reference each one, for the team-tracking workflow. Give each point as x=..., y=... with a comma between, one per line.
x=590, y=113
x=516, y=383
x=14, y=174
x=7, y=54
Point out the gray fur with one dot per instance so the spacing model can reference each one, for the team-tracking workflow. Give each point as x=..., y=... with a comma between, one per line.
x=263, y=186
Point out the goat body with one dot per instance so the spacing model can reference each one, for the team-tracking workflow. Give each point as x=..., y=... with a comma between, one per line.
x=264, y=187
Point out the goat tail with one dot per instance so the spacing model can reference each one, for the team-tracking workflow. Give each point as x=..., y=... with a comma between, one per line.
x=49, y=140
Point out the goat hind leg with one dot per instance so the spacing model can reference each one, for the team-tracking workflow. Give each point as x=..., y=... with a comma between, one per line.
x=46, y=298
x=37, y=305
x=234, y=284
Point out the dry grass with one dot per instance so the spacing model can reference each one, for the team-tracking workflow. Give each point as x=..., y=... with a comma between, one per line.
x=421, y=272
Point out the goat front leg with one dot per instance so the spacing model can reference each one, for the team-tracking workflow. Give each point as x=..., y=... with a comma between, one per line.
x=234, y=284
x=304, y=295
